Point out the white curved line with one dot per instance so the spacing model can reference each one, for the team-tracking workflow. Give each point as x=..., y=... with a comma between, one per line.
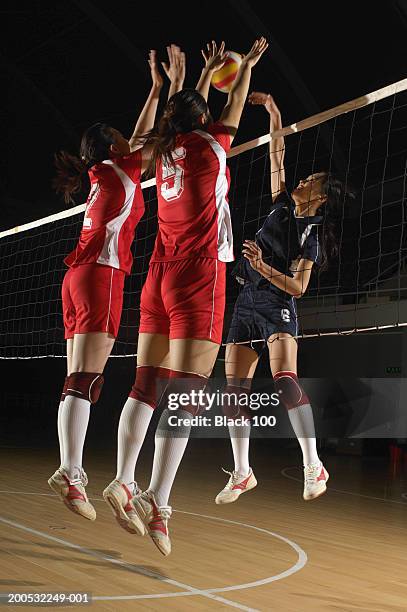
x=209, y=593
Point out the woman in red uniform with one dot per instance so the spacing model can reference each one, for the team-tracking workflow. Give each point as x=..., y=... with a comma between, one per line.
x=92, y=290
x=183, y=299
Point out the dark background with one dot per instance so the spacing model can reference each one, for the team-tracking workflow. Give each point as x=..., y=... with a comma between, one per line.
x=68, y=64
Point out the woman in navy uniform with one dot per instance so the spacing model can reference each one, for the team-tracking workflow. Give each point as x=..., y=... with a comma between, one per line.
x=299, y=232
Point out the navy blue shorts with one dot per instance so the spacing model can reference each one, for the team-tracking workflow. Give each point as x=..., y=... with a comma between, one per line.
x=259, y=313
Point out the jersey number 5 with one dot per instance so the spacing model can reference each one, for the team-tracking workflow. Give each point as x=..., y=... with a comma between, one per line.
x=173, y=175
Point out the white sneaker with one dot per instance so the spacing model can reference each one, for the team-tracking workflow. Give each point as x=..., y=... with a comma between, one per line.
x=315, y=479
x=237, y=484
x=155, y=519
x=118, y=495
x=72, y=493
x=58, y=476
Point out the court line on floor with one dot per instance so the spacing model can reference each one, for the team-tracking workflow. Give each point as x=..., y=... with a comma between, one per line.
x=300, y=563
x=383, y=499
x=190, y=590
x=29, y=493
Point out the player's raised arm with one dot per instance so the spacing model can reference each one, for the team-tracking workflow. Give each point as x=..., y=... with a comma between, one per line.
x=175, y=69
x=234, y=107
x=147, y=116
x=214, y=60
x=277, y=147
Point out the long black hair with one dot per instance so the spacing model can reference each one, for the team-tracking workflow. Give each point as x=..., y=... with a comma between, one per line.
x=181, y=115
x=72, y=171
x=338, y=192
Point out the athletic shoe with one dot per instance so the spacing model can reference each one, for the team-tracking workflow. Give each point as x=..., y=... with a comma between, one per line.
x=118, y=495
x=315, y=479
x=155, y=519
x=59, y=474
x=73, y=493
x=237, y=484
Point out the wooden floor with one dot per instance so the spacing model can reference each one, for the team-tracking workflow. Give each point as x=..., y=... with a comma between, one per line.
x=345, y=551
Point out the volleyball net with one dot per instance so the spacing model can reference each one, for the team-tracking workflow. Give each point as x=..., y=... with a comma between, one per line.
x=365, y=288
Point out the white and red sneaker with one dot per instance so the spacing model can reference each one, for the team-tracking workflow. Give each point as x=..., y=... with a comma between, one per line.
x=118, y=495
x=315, y=479
x=72, y=493
x=58, y=476
x=236, y=485
x=155, y=519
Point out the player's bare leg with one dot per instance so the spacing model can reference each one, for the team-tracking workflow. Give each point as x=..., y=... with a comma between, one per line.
x=191, y=362
x=152, y=370
x=87, y=356
x=283, y=364
x=240, y=365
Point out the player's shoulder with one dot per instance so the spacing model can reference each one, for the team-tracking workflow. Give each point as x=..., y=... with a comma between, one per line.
x=218, y=127
x=132, y=159
x=216, y=130
x=283, y=199
x=131, y=163
x=282, y=207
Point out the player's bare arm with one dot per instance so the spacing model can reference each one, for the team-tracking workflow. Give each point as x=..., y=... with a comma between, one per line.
x=175, y=69
x=237, y=97
x=147, y=116
x=214, y=58
x=277, y=147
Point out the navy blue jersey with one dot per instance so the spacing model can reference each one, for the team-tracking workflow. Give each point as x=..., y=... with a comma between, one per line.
x=284, y=239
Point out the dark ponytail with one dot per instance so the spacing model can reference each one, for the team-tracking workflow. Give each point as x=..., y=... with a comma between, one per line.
x=72, y=171
x=338, y=193
x=181, y=115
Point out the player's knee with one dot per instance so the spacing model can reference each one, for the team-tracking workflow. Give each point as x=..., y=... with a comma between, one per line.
x=236, y=402
x=290, y=392
x=185, y=392
x=85, y=385
x=149, y=385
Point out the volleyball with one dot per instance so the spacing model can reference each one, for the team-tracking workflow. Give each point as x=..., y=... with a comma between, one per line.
x=222, y=79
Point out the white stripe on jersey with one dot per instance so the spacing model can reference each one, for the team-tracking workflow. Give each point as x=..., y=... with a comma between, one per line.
x=305, y=234
x=110, y=300
x=213, y=297
x=109, y=255
x=225, y=235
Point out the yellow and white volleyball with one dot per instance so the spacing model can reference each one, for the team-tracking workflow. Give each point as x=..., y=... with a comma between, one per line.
x=222, y=79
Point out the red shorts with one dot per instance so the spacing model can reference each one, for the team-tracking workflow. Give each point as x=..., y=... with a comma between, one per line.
x=184, y=299
x=92, y=299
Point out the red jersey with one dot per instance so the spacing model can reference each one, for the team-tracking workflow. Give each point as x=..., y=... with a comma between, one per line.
x=114, y=207
x=193, y=211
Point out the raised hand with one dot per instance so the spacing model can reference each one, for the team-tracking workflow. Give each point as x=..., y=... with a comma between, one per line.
x=259, y=47
x=214, y=57
x=266, y=100
x=155, y=73
x=175, y=67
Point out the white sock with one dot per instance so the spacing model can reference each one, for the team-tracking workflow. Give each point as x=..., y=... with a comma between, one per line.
x=74, y=423
x=60, y=434
x=170, y=445
x=302, y=421
x=240, y=439
x=133, y=425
